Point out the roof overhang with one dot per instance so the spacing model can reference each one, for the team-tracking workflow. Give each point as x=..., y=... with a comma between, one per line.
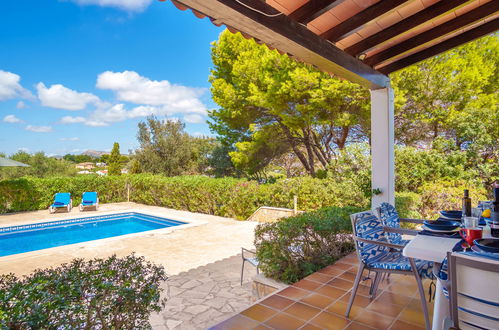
x=361, y=41
x=281, y=32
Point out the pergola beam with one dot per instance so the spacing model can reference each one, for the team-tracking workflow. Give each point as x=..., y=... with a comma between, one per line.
x=458, y=40
x=358, y=20
x=443, y=29
x=313, y=9
x=423, y=16
x=279, y=31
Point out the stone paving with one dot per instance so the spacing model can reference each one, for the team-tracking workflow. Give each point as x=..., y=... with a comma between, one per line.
x=205, y=296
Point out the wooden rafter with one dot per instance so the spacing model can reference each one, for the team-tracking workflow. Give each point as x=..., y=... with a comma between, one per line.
x=263, y=22
x=459, y=22
x=313, y=9
x=423, y=16
x=358, y=20
x=458, y=40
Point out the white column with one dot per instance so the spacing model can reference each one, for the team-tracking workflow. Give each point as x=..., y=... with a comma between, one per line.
x=382, y=146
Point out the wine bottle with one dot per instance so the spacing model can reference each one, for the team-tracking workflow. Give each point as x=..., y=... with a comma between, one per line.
x=466, y=204
x=494, y=214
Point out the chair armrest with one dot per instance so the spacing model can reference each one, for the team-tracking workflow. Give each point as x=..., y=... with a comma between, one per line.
x=402, y=231
x=247, y=251
x=412, y=220
x=368, y=241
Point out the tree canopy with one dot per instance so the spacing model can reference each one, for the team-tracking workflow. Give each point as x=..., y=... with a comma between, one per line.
x=166, y=148
x=271, y=104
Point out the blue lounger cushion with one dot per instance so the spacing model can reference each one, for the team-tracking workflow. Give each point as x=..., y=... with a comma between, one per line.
x=89, y=198
x=62, y=199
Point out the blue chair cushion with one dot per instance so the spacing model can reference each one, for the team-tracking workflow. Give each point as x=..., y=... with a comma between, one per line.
x=396, y=261
x=390, y=218
x=62, y=199
x=368, y=226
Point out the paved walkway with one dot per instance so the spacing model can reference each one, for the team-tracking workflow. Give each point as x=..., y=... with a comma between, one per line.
x=205, y=296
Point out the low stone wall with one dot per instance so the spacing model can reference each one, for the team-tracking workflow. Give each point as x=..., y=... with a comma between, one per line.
x=269, y=214
x=263, y=286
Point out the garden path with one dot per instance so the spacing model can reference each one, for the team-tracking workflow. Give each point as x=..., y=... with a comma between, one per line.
x=205, y=296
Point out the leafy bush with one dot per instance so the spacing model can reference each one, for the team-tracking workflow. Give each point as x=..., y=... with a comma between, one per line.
x=446, y=195
x=113, y=293
x=230, y=197
x=295, y=247
x=29, y=193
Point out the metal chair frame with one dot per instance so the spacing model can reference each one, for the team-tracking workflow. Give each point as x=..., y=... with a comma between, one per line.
x=245, y=259
x=403, y=231
x=454, y=260
x=379, y=271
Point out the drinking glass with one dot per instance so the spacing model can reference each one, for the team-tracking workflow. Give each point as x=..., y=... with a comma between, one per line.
x=470, y=222
x=476, y=212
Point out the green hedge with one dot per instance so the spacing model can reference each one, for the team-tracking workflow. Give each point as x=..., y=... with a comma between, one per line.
x=295, y=247
x=229, y=197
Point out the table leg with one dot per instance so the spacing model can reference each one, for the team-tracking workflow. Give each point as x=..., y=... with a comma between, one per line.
x=440, y=309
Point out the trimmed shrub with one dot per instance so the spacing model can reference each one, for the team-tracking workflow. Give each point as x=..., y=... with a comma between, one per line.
x=295, y=247
x=229, y=197
x=408, y=205
x=113, y=293
x=29, y=193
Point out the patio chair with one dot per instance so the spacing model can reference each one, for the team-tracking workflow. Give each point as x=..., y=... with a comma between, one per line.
x=252, y=260
x=61, y=200
x=474, y=291
x=89, y=199
x=391, y=222
x=376, y=254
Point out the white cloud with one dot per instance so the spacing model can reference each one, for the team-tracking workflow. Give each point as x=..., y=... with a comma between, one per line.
x=159, y=98
x=70, y=139
x=193, y=118
x=24, y=149
x=127, y=5
x=10, y=87
x=60, y=97
x=72, y=120
x=39, y=129
x=20, y=105
x=131, y=87
x=12, y=119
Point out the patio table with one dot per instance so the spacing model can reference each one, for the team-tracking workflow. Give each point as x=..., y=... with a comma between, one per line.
x=434, y=249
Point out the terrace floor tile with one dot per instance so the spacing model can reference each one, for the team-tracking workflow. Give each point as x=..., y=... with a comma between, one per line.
x=284, y=322
x=320, y=301
x=277, y=302
x=259, y=312
x=327, y=320
x=302, y=311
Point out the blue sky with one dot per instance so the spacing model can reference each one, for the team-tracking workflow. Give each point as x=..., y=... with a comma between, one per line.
x=80, y=74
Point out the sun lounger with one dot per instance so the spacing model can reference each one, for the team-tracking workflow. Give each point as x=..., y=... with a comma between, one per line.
x=89, y=199
x=61, y=200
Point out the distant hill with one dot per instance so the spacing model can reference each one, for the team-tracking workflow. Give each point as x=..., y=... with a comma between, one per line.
x=95, y=153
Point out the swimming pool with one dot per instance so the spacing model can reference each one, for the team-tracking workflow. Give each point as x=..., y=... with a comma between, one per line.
x=37, y=236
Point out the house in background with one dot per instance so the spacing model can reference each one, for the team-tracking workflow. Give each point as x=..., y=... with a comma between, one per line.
x=85, y=166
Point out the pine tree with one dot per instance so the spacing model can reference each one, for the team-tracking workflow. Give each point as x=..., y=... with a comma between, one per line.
x=114, y=167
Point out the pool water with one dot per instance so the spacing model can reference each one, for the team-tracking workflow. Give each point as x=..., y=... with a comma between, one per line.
x=32, y=237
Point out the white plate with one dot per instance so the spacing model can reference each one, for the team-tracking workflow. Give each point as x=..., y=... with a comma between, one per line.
x=441, y=231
